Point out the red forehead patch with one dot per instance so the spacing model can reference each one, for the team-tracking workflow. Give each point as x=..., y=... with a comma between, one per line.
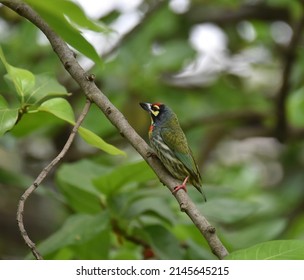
x=157, y=104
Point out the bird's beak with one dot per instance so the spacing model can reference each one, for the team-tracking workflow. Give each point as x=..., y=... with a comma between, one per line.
x=146, y=106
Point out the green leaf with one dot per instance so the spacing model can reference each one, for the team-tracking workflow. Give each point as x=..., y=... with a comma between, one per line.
x=60, y=108
x=56, y=12
x=40, y=121
x=23, y=80
x=163, y=242
x=295, y=229
x=31, y=88
x=97, y=248
x=95, y=141
x=77, y=229
x=63, y=254
x=228, y=210
x=80, y=174
x=75, y=183
x=127, y=251
x=295, y=108
x=147, y=205
x=195, y=251
x=123, y=175
x=81, y=200
x=45, y=87
x=271, y=250
x=262, y=231
x=185, y=230
x=8, y=117
x=71, y=10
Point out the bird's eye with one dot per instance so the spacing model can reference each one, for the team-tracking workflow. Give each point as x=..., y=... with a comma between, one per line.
x=155, y=110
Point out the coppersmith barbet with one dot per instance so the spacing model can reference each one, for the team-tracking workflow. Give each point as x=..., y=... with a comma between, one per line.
x=170, y=145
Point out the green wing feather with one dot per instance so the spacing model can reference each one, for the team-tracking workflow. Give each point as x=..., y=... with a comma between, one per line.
x=177, y=142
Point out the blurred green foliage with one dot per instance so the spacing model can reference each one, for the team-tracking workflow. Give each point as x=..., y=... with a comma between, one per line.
x=99, y=206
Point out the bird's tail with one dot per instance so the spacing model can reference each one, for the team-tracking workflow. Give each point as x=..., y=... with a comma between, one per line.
x=200, y=189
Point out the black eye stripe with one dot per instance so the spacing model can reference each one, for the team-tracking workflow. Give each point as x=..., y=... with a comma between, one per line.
x=155, y=108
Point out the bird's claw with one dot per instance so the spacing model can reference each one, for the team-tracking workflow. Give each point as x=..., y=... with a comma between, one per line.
x=182, y=186
x=177, y=188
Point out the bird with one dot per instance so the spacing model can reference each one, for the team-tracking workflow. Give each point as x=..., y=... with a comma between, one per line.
x=170, y=145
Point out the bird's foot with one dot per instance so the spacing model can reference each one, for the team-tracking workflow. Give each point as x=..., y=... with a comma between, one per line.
x=182, y=186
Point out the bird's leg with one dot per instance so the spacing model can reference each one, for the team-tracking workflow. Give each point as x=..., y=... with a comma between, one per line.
x=182, y=186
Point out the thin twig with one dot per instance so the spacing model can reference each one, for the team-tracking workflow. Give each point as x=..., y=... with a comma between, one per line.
x=41, y=177
x=86, y=82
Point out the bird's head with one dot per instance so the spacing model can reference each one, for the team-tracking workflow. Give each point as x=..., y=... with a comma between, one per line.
x=159, y=112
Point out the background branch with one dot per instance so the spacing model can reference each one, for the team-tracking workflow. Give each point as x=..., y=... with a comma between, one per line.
x=252, y=117
x=89, y=88
x=289, y=60
x=154, y=8
x=199, y=13
x=41, y=177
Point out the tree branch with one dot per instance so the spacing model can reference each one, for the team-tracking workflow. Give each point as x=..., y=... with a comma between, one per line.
x=41, y=177
x=89, y=88
x=199, y=13
x=252, y=117
x=281, y=125
x=153, y=8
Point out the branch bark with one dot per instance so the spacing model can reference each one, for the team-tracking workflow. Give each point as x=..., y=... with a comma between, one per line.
x=86, y=82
